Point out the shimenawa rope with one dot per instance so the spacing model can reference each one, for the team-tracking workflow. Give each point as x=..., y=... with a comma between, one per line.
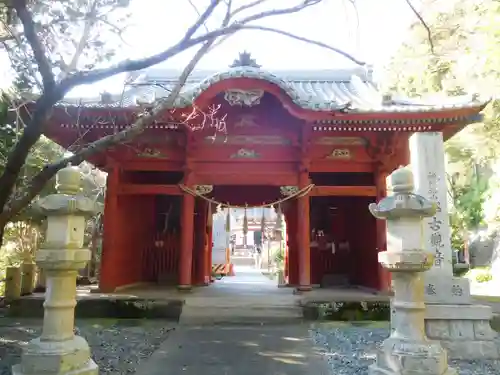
x=302, y=192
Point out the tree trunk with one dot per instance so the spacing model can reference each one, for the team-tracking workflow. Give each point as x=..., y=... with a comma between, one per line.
x=2, y=232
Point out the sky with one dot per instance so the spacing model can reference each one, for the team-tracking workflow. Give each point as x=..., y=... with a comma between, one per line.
x=157, y=24
x=332, y=22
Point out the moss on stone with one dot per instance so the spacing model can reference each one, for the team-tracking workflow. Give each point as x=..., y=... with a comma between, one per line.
x=347, y=311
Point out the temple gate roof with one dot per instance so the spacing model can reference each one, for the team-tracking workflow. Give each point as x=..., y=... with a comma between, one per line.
x=316, y=90
x=332, y=102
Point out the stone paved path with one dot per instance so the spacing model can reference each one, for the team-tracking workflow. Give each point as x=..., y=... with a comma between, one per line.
x=248, y=297
x=237, y=350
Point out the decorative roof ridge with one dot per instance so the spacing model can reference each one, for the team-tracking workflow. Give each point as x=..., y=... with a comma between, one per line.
x=357, y=94
x=256, y=73
x=317, y=75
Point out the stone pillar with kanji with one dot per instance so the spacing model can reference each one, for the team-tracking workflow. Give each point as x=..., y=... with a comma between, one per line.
x=407, y=350
x=58, y=351
x=451, y=316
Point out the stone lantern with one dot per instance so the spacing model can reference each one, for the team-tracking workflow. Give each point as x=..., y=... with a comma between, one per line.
x=58, y=350
x=407, y=350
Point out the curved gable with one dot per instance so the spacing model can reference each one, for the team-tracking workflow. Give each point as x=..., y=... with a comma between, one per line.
x=192, y=93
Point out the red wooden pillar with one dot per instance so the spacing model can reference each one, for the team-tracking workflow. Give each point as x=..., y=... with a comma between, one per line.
x=209, y=253
x=293, y=249
x=286, y=259
x=186, y=255
x=201, y=234
x=110, y=262
x=303, y=236
x=197, y=242
x=208, y=246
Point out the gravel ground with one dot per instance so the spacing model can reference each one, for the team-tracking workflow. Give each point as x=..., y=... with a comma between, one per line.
x=117, y=346
x=350, y=350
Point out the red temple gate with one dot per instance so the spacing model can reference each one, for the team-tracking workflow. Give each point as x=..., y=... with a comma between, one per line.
x=274, y=136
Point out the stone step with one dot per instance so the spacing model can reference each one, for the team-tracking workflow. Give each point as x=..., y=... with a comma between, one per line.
x=95, y=307
x=193, y=315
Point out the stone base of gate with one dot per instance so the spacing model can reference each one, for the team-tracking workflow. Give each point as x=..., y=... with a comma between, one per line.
x=463, y=330
x=405, y=356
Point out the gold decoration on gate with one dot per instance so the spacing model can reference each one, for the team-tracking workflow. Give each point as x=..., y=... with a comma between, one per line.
x=289, y=190
x=339, y=153
x=203, y=189
x=244, y=153
x=151, y=153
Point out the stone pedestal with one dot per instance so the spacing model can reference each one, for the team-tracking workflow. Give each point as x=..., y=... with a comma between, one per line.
x=58, y=350
x=28, y=279
x=443, y=291
x=12, y=283
x=464, y=330
x=408, y=350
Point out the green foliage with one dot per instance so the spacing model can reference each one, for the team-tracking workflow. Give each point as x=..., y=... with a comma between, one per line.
x=484, y=277
x=468, y=199
x=23, y=235
x=465, y=35
x=469, y=193
x=43, y=152
x=480, y=274
x=465, y=59
x=279, y=257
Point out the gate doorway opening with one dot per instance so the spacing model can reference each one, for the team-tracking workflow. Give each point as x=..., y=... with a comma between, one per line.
x=235, y=225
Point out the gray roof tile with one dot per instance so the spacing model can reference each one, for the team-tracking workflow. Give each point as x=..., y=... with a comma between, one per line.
x=319, y=90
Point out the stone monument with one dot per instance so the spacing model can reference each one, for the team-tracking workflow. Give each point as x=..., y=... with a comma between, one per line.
x=407, y=350
x=58, y=351
x=451, y=317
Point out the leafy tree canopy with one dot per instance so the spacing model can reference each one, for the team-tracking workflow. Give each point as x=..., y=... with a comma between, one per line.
x=465, y=35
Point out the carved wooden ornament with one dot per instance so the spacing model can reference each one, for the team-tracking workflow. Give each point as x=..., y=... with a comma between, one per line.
x=340, y=153
x=203, y=189
x=289, y=190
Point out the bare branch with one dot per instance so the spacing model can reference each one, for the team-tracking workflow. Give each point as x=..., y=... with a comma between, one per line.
x=201, y=19
x=53, y=92
x=86, y=77
x=227, y=17
x=16, y=202
x=96, y=75
x=39, y=52
x=90, y=21
x=424, y=24
x=19, y=201
x=119, y=31
x=279, y=12
x=193, y=5
x=306, y=40
x=246, y=6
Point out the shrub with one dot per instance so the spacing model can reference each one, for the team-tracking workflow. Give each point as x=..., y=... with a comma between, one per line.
x=484, y=277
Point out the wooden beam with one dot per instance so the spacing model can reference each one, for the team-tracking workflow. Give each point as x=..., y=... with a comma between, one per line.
x=344, y=191
x=245, y=167
x=245, y=178
x=329, y=166
x=152, y=165
x=140, y=189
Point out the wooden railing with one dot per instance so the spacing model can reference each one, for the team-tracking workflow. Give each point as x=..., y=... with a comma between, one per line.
x=161, y=257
